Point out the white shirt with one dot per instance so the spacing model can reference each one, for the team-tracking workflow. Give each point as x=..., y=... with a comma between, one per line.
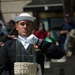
x=24, y=41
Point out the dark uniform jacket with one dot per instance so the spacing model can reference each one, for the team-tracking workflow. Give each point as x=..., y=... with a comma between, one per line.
x=11, y=49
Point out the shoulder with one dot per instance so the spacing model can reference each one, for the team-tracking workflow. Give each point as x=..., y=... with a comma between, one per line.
x=9, y=42
x=8, y=46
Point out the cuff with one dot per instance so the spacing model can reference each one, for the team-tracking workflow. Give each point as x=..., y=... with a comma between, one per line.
x=39, y=42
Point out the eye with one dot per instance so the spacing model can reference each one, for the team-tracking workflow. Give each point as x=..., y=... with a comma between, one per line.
x=28, y=24
x=22, y=24
x=25, y=23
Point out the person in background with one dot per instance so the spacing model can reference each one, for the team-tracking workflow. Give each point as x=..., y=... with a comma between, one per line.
x=11, y=29
x=50, y=39
x=11, y=25
x=21, y=48
x=41, y=33
x=70, y=43
x=65, y=28
x=3, y=37
x=13, y=33
x=4, y=28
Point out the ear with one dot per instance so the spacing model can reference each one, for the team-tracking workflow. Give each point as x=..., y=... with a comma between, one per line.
x=16, y=26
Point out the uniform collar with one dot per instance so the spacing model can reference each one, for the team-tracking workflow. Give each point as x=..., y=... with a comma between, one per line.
x=22, y=38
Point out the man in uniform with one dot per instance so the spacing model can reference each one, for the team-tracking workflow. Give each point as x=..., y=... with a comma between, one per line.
x=21, y=48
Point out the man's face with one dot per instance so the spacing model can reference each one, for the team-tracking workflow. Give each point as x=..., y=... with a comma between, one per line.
x=24, y=28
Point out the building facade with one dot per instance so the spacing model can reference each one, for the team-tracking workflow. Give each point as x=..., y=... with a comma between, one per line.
x=11, y=8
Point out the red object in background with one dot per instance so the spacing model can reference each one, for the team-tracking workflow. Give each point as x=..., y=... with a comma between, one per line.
x=41, y=35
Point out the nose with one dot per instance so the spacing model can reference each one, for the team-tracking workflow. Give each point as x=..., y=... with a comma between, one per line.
x=25, y=25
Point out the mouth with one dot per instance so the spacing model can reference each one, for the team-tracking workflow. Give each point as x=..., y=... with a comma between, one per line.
x=24, y=30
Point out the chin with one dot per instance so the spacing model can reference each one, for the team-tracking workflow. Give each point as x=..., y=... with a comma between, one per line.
x=24, y=34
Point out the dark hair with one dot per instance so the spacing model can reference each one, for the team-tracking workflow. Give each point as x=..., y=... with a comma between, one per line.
x=11, y=21
x=42, y=25
x=13, y=32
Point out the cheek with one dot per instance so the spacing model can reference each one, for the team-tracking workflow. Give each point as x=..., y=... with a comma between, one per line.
x=30, y=30
x=18, y=27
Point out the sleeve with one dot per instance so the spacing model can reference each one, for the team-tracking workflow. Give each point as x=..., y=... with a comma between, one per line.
x=4, y=61
x=66, y=44
x=51, y=50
